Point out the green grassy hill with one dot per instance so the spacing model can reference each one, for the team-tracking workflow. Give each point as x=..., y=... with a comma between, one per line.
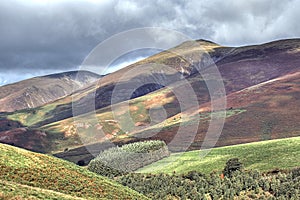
x=28, y=175
x=263, y=156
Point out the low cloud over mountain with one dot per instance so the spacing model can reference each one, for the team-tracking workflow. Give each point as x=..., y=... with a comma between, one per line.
x=40, y=36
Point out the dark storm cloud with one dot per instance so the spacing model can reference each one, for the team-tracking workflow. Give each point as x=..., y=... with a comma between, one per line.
x=41, y=36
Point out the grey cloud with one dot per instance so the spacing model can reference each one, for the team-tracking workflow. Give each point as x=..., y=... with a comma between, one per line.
x=250, y=22
x=56, y=36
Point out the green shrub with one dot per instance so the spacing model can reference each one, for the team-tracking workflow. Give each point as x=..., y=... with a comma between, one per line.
x=120, y=160
x=296, y=172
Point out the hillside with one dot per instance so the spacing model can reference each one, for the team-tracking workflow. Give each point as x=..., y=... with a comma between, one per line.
x=38, y=91
x=263, y=156
x=25, y=174
x=261, y=112
x=261, y=84
x=99, y=93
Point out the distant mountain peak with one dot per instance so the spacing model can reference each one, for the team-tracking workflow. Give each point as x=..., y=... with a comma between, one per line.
x=73, y=74
x=206, y=41
x=39, y=90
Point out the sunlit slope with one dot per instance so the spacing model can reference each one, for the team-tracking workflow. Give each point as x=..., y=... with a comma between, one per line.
x=263, y=156
x=49, y=176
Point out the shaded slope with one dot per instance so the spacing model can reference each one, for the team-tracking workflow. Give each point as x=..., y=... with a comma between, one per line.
x=40, y=171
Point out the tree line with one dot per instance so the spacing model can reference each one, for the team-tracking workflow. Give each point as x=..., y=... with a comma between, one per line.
x=234, y=183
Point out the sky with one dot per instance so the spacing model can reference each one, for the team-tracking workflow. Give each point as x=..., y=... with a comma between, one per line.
x=40, y=37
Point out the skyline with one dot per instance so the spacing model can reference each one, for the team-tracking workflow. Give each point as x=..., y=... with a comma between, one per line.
x=41, y=37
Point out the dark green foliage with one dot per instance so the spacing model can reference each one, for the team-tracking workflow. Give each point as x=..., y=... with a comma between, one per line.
x=121, y=160
x=81, y=163
x=296, y=172
x=231, y=166
x=195, y=185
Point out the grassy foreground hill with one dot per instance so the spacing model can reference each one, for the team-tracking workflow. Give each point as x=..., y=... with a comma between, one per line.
x=264, y=156
x=28, y=175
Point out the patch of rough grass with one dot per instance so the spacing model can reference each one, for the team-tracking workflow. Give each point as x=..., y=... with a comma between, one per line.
x=46, y=172
x=11, y=190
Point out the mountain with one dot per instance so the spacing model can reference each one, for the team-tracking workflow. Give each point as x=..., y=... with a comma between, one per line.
x=38, y=91
x=28, y=175
x=261, y=83
x=260, y=112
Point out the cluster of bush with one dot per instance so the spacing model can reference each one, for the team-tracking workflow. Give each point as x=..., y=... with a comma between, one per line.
x=118, y=161
x=235, y=184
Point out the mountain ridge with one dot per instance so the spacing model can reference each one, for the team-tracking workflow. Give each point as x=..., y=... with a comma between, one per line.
x=240, y=68
x=34, y=92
